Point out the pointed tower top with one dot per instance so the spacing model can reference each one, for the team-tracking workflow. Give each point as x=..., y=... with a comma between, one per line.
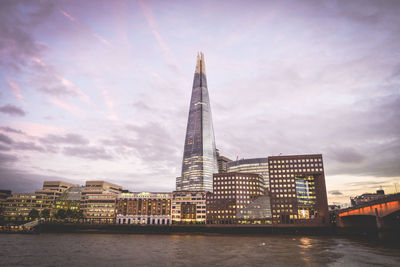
x=200, y=66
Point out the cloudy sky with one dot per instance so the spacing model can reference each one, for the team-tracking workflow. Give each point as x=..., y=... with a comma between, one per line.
x=101, y=90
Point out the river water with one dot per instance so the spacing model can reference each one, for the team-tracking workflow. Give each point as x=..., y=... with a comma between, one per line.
x=191, y=250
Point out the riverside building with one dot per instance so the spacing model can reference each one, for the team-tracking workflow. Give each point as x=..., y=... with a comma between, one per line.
x=144, y=208
x=53, y=190
x=199, y=156
x=233, y=192
x=254, y=165
x=18, y=206
x=98, y=201
x=298, y=191
x=188, y=207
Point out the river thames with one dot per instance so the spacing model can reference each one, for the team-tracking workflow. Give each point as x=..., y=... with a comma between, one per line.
x=191, y=250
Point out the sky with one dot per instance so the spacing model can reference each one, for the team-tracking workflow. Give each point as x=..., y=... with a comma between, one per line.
x=100, y=90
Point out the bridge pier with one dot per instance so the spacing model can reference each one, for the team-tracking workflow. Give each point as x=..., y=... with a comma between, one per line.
x=379, y=220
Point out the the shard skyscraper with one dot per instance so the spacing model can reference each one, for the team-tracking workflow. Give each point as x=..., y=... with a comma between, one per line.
x=199, y=156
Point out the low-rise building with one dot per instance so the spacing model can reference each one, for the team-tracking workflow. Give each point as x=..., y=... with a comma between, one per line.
x=232, y=193
x=188, y=207
x=98, y=201
x=144, y=208
x=70, y=201
x=18, y=206
x=52, y=190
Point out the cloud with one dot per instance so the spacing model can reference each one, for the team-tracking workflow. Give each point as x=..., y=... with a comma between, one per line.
x=70, y=138
x=87, y=152
x=335, y=192
x=11, y=130
x=5, y=158
x=29, y=146
x=15, y=89
x=12, y=110
x=345, y=155
x=4, y=148
x=5, y=139
x=17, y=45
x=20, y=181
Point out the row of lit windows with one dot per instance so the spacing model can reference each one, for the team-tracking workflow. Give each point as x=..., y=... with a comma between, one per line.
x=281, y=185
x=237, y=192
x=296, y=170
x=283, y=190
x=297, y=160
x=284, y=195
x=233, y=182
x=296, y=166
x=237, y=178
x=235, y=187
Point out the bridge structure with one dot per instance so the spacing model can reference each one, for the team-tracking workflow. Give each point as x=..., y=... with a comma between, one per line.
x=383, y=213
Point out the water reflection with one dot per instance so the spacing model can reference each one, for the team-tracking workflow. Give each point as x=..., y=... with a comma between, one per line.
x=190, y=250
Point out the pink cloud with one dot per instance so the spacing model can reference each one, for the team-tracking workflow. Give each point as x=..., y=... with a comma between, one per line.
x=68, y=107
x=96, y=35
x=15, y=89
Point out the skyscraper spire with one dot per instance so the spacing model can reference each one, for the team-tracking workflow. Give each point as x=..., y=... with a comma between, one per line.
x=199, y=157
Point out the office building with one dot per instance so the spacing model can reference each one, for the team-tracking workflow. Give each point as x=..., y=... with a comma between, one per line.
x=199, y=156
x=69, y=200
x=53, y=190
x=232, y=193
x=298, y=191
x=18, y=206
x=254, y=165
x=98, y=201
x=222, y=163
x=144, y=208
x=188, y=207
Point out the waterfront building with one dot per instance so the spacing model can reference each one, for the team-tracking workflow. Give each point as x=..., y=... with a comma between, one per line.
x=18, y=206
x=367, y=197
x=98, y=201
x=199, y=156
x=222, y=163
x=188, y=207
x=69, y=200
x=4, y=194
x=144, y=208
x=254, y=165
x=232, y=193
x=257, y=212
x=298, y=191
x=53, y=190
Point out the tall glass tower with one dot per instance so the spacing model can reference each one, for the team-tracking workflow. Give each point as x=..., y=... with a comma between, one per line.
x=199, y=156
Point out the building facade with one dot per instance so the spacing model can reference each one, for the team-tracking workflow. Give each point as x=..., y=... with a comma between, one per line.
x=18, y=206
x=254, y=165
x=144, y=208
x=298, y=191
x=199, y=157
x=70, y=202
x=98, y=201
x=52, y=190
x=232, y=193
x=188, y=207
x=222, y=163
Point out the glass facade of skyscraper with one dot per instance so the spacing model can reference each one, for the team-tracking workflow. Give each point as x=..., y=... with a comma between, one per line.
x=199, y=157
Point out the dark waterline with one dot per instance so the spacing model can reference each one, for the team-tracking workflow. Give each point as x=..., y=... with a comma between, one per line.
x=191, y=250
